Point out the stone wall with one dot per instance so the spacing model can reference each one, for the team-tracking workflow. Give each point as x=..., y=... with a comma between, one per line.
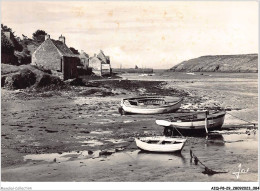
x=47, y=56
x=95, y=64
x=58, y=74
x=106, y=69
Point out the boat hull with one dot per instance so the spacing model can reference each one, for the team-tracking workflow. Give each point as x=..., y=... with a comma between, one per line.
x=161, y=148
x=215, y=122
x=146, y=110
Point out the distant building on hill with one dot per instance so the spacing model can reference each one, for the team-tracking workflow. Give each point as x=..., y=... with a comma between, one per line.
x=56, y=56
x=100, y=64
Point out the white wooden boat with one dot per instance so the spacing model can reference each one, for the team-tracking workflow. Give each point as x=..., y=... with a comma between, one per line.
x=160, y=144
x=150, y=105
x=193, y=122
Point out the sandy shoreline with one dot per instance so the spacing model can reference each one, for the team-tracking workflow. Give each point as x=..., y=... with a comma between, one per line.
x=68, y=126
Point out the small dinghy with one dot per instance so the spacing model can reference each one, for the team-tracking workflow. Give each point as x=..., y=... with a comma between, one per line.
x=193, y=122
x=150, y=105
x=160, y=144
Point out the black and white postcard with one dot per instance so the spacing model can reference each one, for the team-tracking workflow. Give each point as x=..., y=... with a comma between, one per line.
x=129, y=95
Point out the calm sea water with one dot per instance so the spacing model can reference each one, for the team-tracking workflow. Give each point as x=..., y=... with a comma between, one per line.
x=229, y=90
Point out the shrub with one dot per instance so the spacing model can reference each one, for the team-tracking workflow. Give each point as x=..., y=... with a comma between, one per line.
x=21, y=80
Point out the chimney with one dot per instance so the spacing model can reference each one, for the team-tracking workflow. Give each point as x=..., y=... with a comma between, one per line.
x=62, y=39
x=8, y=34
x=47, y=36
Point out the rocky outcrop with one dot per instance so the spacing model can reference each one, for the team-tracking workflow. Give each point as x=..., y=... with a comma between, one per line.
x=28, y=76
x=20, y=80
x=219, y=63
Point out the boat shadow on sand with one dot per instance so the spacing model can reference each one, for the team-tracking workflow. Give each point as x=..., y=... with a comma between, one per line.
x=157, y=155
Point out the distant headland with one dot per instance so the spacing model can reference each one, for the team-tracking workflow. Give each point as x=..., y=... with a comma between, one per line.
x=219, y=63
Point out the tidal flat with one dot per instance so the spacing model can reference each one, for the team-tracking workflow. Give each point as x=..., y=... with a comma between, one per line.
x=78, y=134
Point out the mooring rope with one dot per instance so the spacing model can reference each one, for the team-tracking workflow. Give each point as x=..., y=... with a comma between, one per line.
x=241, y=119
x=178, y=131
x=206, y=169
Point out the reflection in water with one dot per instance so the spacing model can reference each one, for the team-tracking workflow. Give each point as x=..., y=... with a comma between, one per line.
x=101, y=132
x=92, y=143
x=215, y=136
x=49, y=157
x=215, y=139
x=240, y=138
x=242, y=141
x=145, y=155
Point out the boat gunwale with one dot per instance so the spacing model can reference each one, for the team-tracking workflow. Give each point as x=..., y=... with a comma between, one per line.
x=209, y=117
x=147, y=106
x=179, y=140
x=150, y=97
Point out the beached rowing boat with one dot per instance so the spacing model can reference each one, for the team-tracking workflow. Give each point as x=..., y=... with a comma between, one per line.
x=193, y=122
x=160, y=144
x=150, y=105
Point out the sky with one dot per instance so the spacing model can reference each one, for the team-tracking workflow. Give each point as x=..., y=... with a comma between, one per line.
x=149, y=34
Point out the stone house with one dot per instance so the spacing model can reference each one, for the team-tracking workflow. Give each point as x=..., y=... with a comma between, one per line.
x=84, y=59
x=100, y=64
x=56, y=56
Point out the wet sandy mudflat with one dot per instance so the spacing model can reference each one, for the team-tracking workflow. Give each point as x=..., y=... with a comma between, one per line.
x=73, y=137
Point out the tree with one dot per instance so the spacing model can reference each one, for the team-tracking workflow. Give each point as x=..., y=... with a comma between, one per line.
x=5, y=28
x=6, y=46
x=39, y=36
x=12, y=41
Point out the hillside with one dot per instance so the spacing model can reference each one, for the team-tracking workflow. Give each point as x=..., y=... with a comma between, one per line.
x=219, y=63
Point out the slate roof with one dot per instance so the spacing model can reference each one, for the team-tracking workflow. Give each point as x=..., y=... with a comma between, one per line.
x=101, y=61
x=83, y=54
x=63, y=49
x=104, y=60
x=102, y=56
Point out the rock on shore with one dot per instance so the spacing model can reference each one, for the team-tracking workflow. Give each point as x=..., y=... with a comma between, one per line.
x=25, y=76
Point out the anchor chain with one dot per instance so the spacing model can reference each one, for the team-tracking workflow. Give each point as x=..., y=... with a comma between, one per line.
x=242, y=119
